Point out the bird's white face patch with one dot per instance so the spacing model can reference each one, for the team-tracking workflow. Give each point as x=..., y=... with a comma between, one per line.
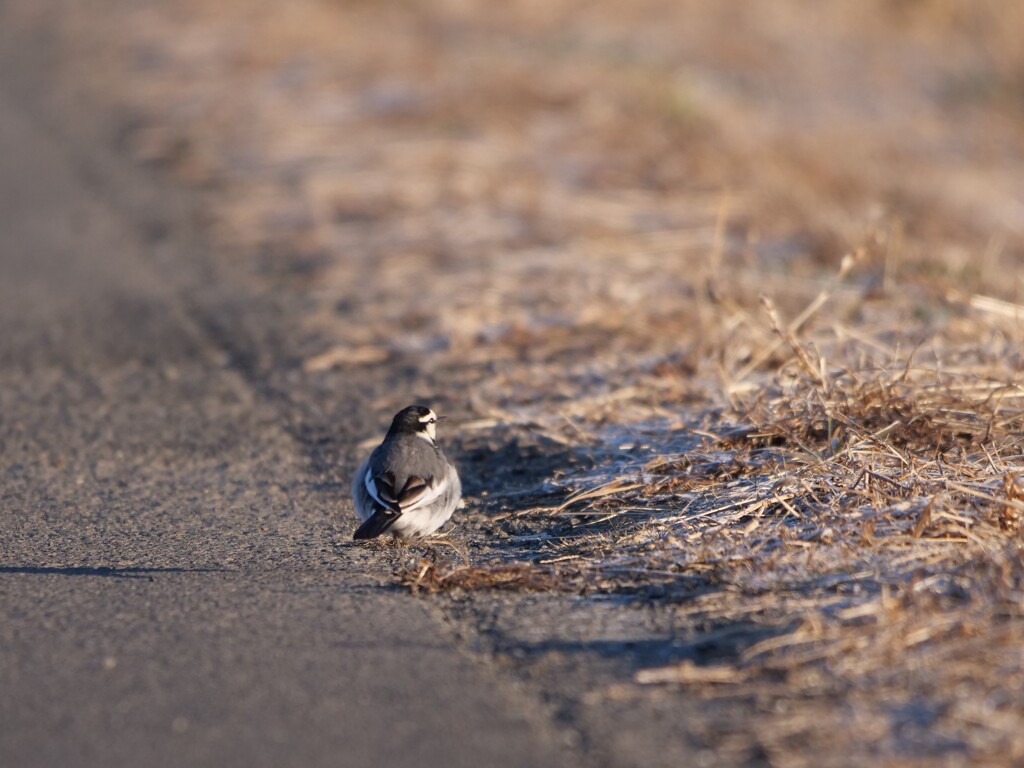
x=430, y=426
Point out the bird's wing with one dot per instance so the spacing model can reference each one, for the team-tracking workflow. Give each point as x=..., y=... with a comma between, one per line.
x=420, y=492
x=381, y=488
x=414, y=493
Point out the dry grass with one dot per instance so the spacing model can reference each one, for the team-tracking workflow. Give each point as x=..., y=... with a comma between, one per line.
x=867, y=518
x=755, y=268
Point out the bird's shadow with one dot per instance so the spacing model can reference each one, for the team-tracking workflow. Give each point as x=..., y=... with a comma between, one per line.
x=516, y=472
x=103, y=571
x=518, y=481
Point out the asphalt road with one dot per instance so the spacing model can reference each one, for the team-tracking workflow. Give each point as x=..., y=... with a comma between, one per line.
x=175, y=585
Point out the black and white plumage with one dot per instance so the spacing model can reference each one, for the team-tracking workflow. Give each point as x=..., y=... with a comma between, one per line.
x=406, y=487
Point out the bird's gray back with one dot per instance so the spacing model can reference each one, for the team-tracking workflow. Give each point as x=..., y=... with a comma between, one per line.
x=405, y=456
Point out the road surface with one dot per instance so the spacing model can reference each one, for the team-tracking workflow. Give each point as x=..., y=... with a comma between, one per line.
x=175, y=583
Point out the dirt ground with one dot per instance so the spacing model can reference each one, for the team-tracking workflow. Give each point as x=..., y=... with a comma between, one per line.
x=724, y=301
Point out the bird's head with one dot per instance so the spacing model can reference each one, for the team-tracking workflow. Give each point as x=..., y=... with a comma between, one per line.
x=416, y=420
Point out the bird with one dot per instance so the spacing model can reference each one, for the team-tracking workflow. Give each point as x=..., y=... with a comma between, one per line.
x=406, y=486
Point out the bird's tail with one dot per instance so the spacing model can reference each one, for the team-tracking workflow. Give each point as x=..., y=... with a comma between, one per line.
x=376, y=524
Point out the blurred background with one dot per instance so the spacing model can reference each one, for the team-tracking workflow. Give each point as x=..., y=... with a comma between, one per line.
x=580, y=188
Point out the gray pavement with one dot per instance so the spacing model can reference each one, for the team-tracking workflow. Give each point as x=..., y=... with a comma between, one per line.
x=175, y=582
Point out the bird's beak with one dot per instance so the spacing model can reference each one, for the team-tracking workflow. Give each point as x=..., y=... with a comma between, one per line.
x=441, y=418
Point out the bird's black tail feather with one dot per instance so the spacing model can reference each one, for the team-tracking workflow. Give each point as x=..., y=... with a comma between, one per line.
x=377, y=524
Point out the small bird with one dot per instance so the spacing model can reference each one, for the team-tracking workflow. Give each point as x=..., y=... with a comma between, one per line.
x=406, y=487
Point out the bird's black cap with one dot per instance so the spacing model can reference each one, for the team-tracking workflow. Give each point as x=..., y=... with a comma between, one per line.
x=414, y=418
